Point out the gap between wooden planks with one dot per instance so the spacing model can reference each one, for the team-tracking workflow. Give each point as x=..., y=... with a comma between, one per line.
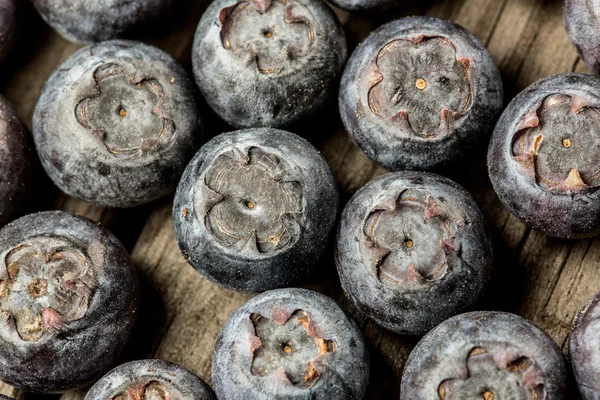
x=543, y=279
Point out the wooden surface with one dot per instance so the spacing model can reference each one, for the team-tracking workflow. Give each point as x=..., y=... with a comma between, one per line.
x=543, y=279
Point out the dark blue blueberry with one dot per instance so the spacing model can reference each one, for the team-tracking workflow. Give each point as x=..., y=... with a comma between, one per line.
x=268, y=62
x=412, y=250
x=420, y=93
x=584, y=349
x=366, y=5
x=94, y=21
x=543, y=160
x=150, y=380
x=582, y=19
x=485, y=355
x=255, y=210
x=117, y=123
x=10, y=25
x=290, y=344
x=68, y=301
x=18, y=165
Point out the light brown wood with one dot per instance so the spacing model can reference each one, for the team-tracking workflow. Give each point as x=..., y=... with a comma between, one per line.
x=543, y=279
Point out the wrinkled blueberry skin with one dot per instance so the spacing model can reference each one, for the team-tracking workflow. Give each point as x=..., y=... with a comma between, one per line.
x=570, y=210
x=582, y=21
x=376, y=275
x=583, y=349
x=444, y=354
x=99, y=20
x=10, y=18
x=231, y=79
x=342, y=374
x=244, y=266
x=73, y=353
x=177, y=382
x=93, y=153
x=18, y=165
x=390, y=140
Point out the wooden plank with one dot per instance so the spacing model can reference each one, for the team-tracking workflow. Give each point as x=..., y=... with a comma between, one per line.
x=548, y=280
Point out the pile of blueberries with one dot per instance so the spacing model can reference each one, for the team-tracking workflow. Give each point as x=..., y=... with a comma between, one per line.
x=119, y=124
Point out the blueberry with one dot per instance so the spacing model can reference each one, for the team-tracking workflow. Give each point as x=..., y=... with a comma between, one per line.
x=10, y=21
x=150, y=380
x=412, y=250
x=365, y=5
x=581, y=20
x=68, y=301
x=485, y=355
x=117, y=123
x=420, y=93
x=290, y=344
x=268, y=63
x=255, y=209
x=584, y=349
x=94, y=21
x=18, y=165
x=543, y=154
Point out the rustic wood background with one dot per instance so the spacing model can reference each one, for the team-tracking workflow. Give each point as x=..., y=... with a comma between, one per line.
x=543, y=279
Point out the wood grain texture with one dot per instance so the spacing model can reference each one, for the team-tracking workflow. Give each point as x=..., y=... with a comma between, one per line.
x=546, y=280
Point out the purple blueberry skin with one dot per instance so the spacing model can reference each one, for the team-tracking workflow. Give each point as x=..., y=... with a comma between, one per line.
x=262, y=79
x=409, y=136
x=18, y=165
x=288, y=241
x=174, y=381
x=342, y=374
x=10, y=19
x=485, y=351
x=63, y=352
x=582, y=19
x=99, y=20
x=570, y=206
x=436, y=227
x=584, y=350
x=117, y=123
